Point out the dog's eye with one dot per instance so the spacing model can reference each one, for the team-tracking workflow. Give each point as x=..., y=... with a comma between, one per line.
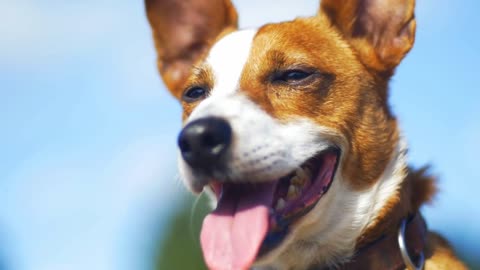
x=291, y=76
x=194, y=93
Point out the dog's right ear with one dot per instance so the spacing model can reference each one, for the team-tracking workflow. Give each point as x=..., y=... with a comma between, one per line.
x=381, y=31
x=183, y=31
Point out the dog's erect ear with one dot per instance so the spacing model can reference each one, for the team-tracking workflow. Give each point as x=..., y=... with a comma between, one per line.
x=183, y=31
x=381, y=31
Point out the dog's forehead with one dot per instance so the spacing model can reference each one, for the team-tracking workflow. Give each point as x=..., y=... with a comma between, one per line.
x=227, y=59
x=241, y=57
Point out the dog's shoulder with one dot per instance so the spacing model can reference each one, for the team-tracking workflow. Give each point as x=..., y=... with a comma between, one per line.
x=440, y=254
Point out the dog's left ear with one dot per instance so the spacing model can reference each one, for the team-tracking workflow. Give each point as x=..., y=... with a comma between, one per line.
x=381, y=31
x=183, y=31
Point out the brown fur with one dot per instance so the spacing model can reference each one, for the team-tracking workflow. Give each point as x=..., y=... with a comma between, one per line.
x=440, y=254
x=183, y=32
x=342, y=96
x=353, y=47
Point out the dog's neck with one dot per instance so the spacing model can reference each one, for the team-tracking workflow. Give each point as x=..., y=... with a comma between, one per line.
x=392, y=199
x=377, y=247
x=385, y=253
x=377, y=213
x=415, y=189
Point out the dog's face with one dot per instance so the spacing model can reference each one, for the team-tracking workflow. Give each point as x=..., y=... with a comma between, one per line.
x=287, y=126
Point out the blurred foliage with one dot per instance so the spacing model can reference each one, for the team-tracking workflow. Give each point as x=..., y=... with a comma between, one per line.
x=180, y=249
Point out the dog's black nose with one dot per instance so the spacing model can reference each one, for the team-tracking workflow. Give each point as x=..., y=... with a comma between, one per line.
x=203, y=142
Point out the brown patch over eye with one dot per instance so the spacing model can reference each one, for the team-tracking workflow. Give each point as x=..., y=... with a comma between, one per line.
x=300, y=77
x=295, y=72
x=194, y=94
x=291, y=76
x=197, y=88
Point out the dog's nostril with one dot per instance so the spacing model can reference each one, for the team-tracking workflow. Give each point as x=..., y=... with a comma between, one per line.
x=183, y=145
x=210, y=141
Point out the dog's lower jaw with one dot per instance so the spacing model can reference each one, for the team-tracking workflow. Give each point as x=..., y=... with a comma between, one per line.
x=329, y=234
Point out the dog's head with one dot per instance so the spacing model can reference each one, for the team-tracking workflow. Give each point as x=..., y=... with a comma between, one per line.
x=287, y=126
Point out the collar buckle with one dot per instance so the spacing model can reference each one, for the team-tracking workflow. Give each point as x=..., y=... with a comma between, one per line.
x=403, y=250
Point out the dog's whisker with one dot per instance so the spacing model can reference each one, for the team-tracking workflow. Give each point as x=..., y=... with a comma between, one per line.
x=193, y=210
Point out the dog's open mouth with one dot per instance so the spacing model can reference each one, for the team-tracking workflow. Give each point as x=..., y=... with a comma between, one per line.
x=252, y=219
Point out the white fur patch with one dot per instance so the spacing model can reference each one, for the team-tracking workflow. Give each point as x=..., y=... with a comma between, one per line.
x=227, y=59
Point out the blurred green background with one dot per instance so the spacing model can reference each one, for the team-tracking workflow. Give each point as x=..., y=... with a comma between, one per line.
x=181, y=250
x=181, y=247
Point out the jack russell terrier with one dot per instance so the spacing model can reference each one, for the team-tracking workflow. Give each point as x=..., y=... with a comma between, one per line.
x=288, y=128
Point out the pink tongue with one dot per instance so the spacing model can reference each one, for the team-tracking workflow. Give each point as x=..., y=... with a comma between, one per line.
x=233, y=233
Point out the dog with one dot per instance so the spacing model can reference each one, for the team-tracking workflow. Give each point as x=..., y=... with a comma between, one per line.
x=288, y=128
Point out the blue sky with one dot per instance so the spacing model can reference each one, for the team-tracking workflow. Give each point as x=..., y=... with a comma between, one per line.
x=87, y=166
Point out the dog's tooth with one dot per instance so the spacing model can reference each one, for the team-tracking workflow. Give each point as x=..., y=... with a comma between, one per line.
x=300, y=172
x=293, y=192
x=308, y=172
x=280, y=204
x=297, y=181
